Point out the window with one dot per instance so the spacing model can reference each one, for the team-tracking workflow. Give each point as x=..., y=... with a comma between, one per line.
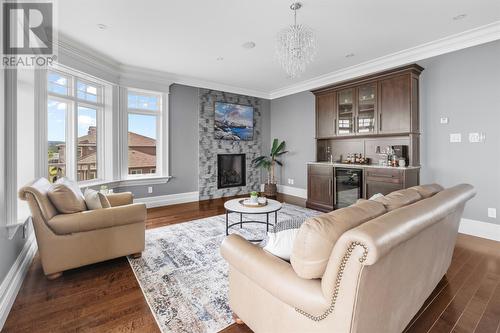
x=74, y=110
x=56, y=131
x=144, y=126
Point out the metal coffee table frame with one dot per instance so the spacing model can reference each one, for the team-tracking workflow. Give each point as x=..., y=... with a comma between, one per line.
x=228, y=226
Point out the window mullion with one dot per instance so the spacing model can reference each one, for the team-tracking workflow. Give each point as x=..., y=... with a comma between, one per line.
x=71, y=138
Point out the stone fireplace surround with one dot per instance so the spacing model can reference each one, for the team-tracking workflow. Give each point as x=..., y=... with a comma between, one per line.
x=209, y=147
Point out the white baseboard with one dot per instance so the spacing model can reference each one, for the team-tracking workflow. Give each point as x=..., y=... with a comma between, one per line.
x=295, y=191
x=480, y=229
x=14, y=279
x=169, y=199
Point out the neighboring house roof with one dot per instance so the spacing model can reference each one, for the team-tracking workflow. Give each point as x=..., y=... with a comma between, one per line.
x=138, y=159
x=134, y=140
x=137, y=140
x=87, y=159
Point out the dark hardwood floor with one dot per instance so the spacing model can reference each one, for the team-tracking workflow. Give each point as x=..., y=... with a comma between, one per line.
x=106, y=297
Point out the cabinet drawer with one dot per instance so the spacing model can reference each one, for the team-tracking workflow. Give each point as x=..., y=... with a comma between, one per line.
x=385, y=175
x=320, y=170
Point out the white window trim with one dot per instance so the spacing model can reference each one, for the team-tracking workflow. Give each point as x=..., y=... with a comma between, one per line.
x=10, y=150
x=103, y=106
x=162, y=142
x=115, y=164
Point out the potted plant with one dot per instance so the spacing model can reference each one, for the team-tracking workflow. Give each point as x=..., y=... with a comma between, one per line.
x=268, y=163
x=254, y=196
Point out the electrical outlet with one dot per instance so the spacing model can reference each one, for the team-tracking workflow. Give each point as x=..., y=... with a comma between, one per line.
x=476, y=137
x=150, y=189
x=492, y=212
x=290, y=181
x=444, y=120
x=455, y=137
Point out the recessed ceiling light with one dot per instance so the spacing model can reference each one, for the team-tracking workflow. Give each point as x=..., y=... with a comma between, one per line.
x=219, y=58
x=350, y=55
x=102, y=26
x=248, y=45
x=459, y=17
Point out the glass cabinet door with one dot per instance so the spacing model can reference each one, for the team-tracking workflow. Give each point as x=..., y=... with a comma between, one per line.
x=366, y=109
x=345, y=112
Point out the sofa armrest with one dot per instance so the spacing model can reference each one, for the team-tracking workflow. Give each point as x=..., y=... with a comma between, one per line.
x=89, y=220
x=274, y=275
x=120, y=199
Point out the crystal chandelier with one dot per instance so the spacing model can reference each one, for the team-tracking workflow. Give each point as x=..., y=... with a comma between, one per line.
x=296, y=46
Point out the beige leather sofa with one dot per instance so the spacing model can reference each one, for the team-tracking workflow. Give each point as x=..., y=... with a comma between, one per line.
x=377, y=274
x=68, y=241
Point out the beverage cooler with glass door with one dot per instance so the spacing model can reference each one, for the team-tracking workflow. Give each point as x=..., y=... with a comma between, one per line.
x=348, y=186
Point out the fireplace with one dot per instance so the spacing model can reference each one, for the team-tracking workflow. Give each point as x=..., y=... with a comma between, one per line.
x=231, y=170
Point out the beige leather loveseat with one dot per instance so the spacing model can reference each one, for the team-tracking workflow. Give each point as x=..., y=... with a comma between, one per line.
x=68, y=241
x=367, y=268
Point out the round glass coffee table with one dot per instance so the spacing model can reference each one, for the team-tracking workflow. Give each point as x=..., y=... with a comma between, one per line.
x=235, y=206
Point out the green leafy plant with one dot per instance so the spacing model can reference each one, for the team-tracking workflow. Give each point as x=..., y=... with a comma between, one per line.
x=254, y=194
x=269, y=162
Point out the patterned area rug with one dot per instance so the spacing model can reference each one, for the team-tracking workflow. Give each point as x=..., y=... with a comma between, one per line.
x=184, y=277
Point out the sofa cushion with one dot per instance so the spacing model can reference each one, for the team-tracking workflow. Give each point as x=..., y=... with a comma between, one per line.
x=427, y=191
x=89, y=220
x=317, y=236
x=95, y=199
x=65, y=199
x=398, y=199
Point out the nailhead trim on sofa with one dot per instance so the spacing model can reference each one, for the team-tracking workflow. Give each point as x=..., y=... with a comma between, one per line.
x=338, y=280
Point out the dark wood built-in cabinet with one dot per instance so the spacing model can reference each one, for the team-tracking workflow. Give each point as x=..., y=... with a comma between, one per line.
x=385, y=181
x=385, y=103
x=320, y=189
x=355, y=114
x=321, y=183
x=325, y=116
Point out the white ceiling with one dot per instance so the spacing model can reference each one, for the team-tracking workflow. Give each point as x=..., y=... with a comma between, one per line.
x=185, y=37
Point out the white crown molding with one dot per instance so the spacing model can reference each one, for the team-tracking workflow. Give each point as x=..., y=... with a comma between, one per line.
x=14, y=279
x=194, y=82
x=81, y=57
x=473, y=37
x=77, y=56
x=480, y=229
x=169, y=199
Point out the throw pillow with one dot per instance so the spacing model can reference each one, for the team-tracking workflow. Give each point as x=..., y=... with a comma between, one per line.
x=71, y=184
x=65, y=199
x=375, y=196
x=95, y=199
x=280, y=240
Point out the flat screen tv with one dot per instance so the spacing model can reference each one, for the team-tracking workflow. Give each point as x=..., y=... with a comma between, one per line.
x=233, y=122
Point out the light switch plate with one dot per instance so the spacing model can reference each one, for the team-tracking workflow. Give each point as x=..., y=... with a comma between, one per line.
x=476, y=137
x=492, y=212
x=455, y=137
x=444, y=120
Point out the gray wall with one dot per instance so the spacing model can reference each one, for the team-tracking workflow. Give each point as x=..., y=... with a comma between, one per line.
x=465, y=87
x=183, y=130
x=292, y=120
x=9, y=249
